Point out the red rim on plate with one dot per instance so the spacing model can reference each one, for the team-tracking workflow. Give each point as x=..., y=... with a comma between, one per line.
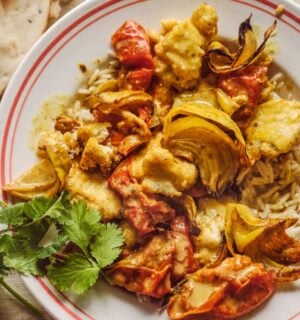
x=66, y=35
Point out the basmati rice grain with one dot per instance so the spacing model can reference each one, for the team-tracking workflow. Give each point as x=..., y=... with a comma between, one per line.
x=112, y=53
x=114, y=63
x=292, y=202
x=94, y=76
x=269, y=192
x=276, y=77
x=280, y=85
x=84, y=91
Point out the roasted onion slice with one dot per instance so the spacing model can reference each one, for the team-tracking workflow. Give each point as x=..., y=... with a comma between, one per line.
x=264, y=240
x=208, y=137
x=40, y=180
x=52, y=147
x=107, y=102
x=206, y=111
x=209, y=147
x=221, y=60
x=129, y=113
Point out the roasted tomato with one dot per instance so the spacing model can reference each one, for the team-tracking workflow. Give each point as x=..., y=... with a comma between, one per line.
x=248, y=82
x=230, y=290
x=184, y=260
x=145, y=212
x=139, y=79
x=148, y=270
x=153, y=268
x=142, y=210
x=132, y=45
x=133, y=49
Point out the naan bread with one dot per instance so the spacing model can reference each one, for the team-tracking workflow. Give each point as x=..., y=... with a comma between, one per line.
x=21, y=23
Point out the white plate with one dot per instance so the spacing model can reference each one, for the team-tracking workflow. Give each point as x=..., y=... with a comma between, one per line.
x=52, y=68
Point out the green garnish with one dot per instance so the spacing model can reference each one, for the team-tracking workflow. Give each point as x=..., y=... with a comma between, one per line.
x=73, y=258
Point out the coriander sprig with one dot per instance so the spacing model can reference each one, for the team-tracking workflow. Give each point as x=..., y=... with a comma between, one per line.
x=73, y=258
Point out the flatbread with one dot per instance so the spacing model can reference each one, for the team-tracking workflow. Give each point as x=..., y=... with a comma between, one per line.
x=21, y=23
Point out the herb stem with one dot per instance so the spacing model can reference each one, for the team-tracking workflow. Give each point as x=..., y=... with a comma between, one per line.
x=33, y=309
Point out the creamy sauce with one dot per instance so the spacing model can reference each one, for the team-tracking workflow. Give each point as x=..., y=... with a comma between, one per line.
x=200, y=293
x=44, y=120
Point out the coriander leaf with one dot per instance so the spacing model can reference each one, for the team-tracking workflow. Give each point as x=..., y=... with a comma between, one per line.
x=76, y=273
x=32, y=234
x=41, y=207
x=82, y=224
x=6, y=242
x=52, y=248
x=13, y=215
x=37, y=207
x=23, y=253
x=24, y=262
x=107, y=245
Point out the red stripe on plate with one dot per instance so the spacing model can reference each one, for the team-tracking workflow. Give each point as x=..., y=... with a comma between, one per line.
x=296, y=316
x=267, y=12
x=286, y=12
x=31, y=72
x=76, y=306
x=54, y=297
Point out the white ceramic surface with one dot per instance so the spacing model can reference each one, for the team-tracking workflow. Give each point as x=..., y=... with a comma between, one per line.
x=51, y=68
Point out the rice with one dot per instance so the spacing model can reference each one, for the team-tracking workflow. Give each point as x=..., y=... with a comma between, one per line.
x=102, y=72
x=272, y=186
x=276, y=77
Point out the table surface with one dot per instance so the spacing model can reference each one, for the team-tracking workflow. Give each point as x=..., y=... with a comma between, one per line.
x=10, y=308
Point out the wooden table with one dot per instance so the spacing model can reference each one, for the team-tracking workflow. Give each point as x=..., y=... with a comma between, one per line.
x=12, y=309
